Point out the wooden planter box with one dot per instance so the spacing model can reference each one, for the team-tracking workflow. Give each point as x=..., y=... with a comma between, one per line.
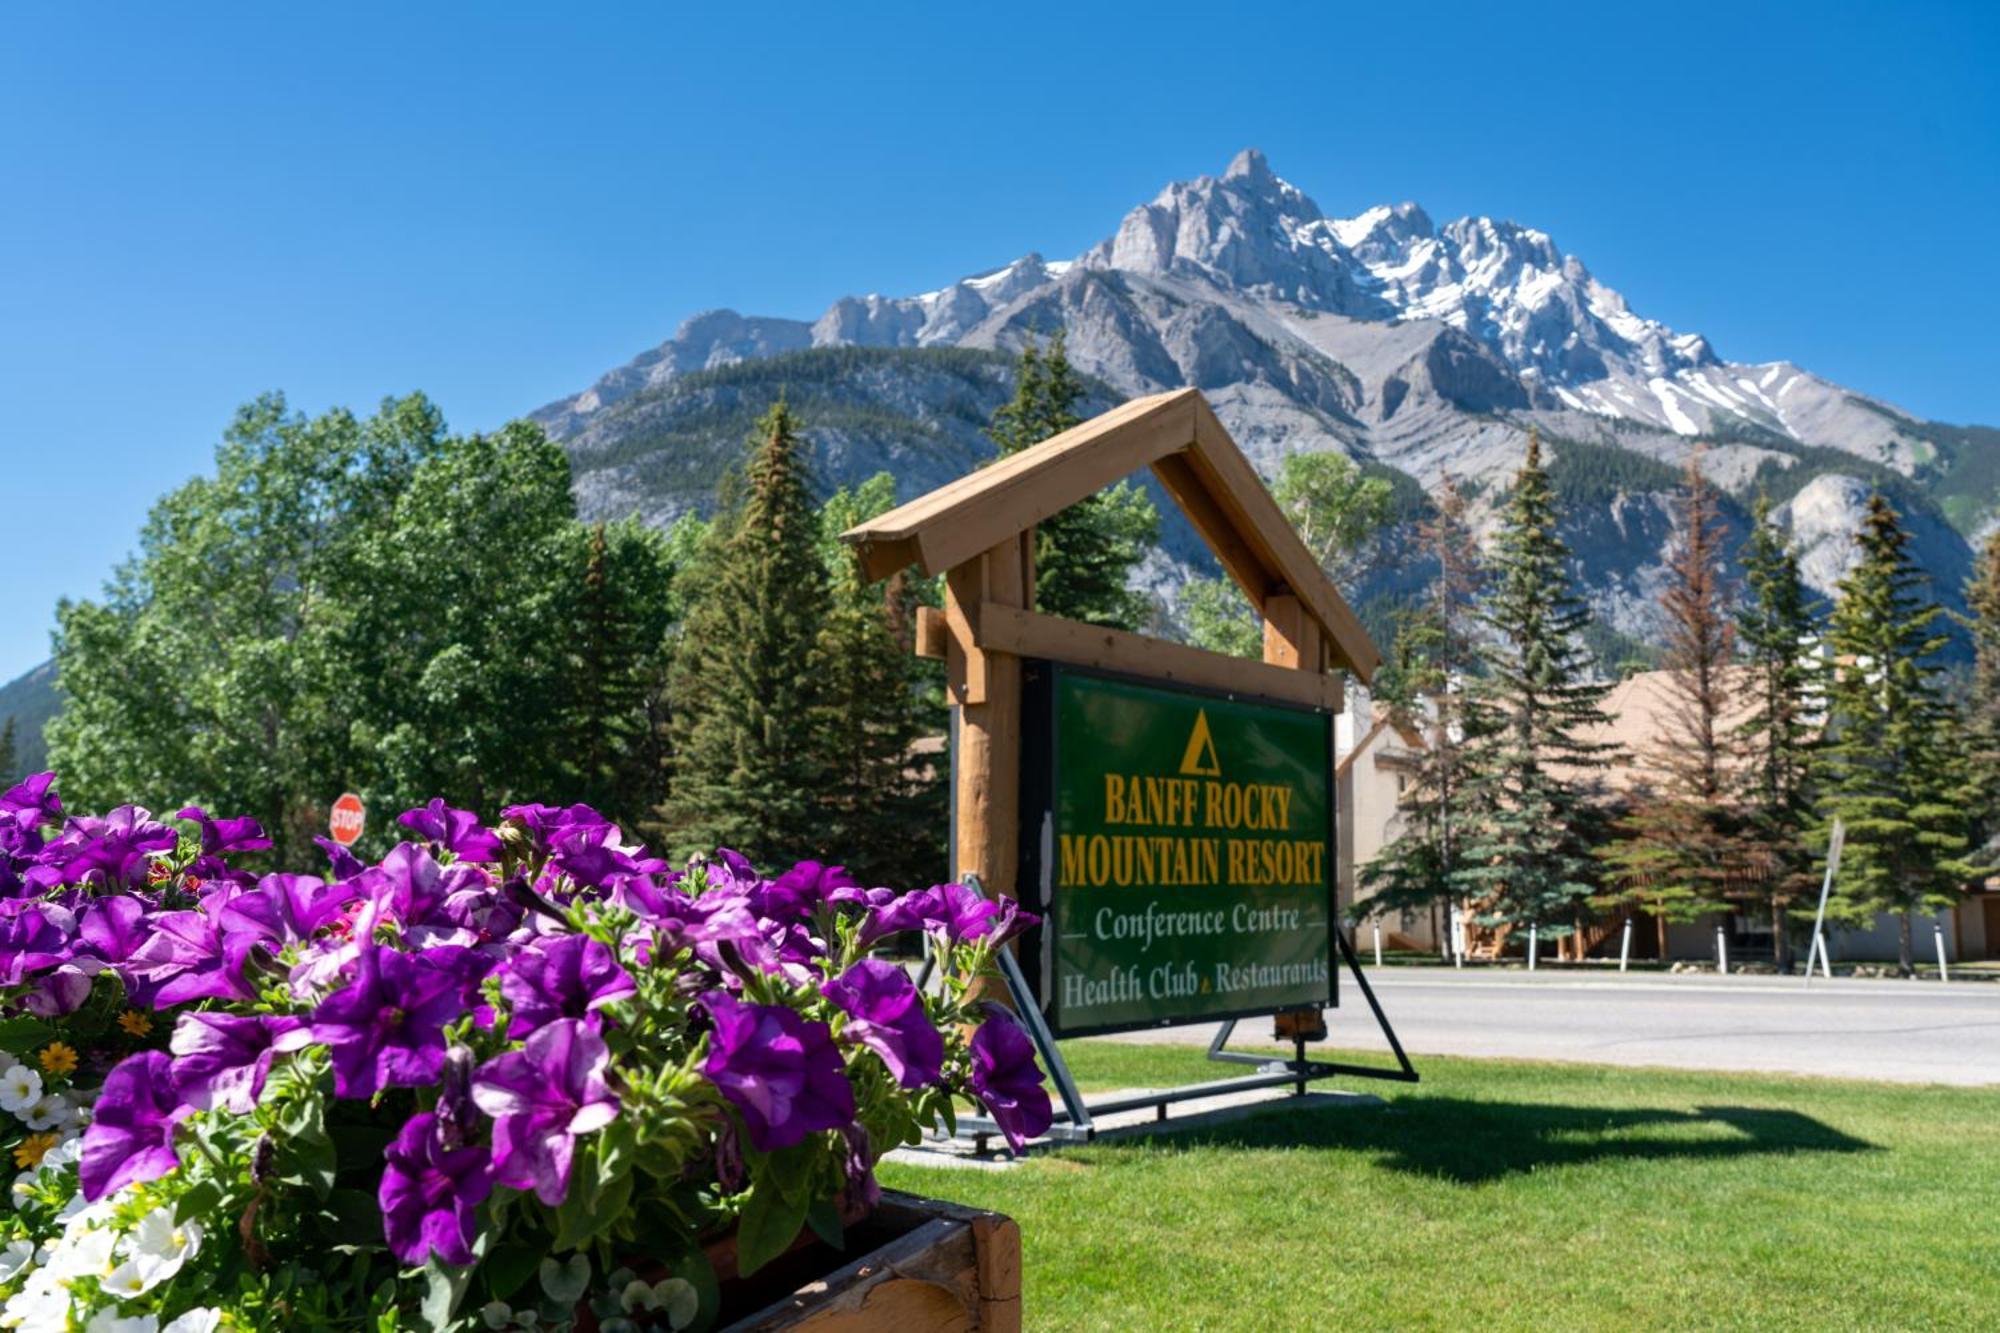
x=930, y=1266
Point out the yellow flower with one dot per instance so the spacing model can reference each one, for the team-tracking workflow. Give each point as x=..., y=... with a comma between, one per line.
x=58, y=1058
x=29, y=1152
x=135, y=1023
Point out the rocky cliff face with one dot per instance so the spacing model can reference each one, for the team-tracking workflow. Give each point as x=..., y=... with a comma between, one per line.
x=1428, y=349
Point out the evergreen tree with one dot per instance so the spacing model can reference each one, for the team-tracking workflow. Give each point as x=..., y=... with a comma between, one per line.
x=617, y=671
x=746, y=770
x=1435, y=657
x=1529, y=861
x=7, y=753
x=1893, y=767
x=1676, y=854
x=1982, y=598
x=1084, y=556
x=1774, y=738
x=883, y=805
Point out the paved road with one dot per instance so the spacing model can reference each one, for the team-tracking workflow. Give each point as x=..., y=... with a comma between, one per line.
x=1908, y=1032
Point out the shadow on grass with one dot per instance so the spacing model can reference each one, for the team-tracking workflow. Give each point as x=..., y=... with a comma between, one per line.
x=1473, y=1142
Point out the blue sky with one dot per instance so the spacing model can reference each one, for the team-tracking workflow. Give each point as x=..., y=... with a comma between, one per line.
x=494, y=203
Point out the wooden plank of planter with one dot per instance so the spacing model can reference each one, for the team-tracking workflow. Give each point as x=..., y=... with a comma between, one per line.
x=1007, y=629
x=956, y=1269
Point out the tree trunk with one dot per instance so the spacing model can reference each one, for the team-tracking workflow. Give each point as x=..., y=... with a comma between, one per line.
x=1905, y=954
x=1660, y=928
x=1781, y=942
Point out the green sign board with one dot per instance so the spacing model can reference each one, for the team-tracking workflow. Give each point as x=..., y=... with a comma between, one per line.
x=1179, y=846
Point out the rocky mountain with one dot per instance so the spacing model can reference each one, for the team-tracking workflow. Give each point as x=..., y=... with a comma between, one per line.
x=1415, y=347
x=29, y=701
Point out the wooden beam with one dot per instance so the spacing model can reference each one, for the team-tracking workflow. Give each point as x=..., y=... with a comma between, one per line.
x=1003, y=629
x=957, y=522
x=1189, y=488
x=933, y=633
x=1291, y=637
x=987, y=793
x=1265, y=527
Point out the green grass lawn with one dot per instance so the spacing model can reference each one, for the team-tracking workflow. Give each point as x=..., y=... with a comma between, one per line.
x=1516, y=1195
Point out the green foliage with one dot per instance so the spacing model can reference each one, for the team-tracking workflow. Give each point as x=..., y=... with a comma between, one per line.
x=1337, y=507
x=1530, y=860
x=1586, y=476
x=8, y=773
x=1777, y=629
x=882, y=805
x=744, y=681
x=1424, y=685
x=31, y=700
x=1219, y=618
x=1676, y=853
x=1983, y=708
x=1892, y=768
x=369, y=605
x=1085, y=554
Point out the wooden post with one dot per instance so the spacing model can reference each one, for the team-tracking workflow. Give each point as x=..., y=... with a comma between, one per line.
x=986, y=686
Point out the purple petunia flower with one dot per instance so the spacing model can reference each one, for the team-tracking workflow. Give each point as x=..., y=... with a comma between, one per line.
x=219, y=837
x=964, y=913
x=886, y=1014
x=186, y=957
x=222, y=1060
x=385, y=1029
x=898, y=913
x=456, y=831
x=429, y=1193
x=343, y=863
x=286, y=909
x=115, y=849
x=781, y=1071
x=795, y=894
x=111, y=929
x=541, y=1097
x=1007, y=1080
x=570, y=976
x=131, y=1133
x=34, y=937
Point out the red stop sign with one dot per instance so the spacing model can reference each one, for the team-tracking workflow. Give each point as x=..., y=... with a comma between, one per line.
x=348, y=816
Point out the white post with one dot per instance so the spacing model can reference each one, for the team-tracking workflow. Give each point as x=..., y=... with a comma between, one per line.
x=1534, y=945
x=1378, y=944
x=1625, y=945
x=1721, y=951
x=1457, y=939
x=1833, y=846
x=1937, y=931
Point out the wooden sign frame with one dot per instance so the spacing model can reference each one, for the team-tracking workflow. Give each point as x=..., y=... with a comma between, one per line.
x=979, y=533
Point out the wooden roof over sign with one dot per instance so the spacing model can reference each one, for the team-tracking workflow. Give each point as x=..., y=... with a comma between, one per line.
x=1179, y=437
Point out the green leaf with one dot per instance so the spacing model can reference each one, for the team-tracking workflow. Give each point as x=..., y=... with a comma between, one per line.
x=564, y=1283
x=509, y=1268
x=692, y=1266
x=203, y=1199
x=770, y=1223
x=22, y=1035
x=443, y=1288
x=824, y=1218
x=585, y=1214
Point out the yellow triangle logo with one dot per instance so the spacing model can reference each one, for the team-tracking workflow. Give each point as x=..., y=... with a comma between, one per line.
x=1199, y=759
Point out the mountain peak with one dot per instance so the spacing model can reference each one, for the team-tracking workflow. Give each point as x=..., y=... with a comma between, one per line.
x=1250, y=166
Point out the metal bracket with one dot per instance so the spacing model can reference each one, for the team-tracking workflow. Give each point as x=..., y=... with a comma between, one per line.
x=1075, y=1122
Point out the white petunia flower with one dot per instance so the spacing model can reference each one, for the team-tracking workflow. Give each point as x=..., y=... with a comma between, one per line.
x=7, y=1061
x=40, y=1306
x=16, y=1259
x=83, y=1254
x=160, y=1245
x=128, y=1280
x=67, y=1150
x=20, y=1088
x=50, y=1111
x=196, y=1321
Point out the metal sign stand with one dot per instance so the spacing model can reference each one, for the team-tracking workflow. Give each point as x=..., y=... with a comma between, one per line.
x=1076, y=1119
x=1818, y=949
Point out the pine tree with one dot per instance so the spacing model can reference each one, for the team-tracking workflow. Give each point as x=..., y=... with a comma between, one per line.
x=1084, y=555
x=1982, y=598
x=1529, y=861
x=8, y=753
x=617, y=662
x=882, y=805
x=1893, y=769
x=746, y=769
x=1676, y=853
x=1775, y=737
x=1435, y=657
